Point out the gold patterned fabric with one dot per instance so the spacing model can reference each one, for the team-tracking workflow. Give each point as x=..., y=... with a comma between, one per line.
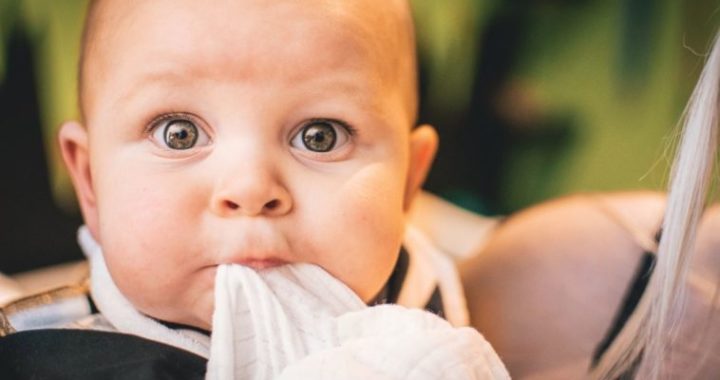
x=36, y=306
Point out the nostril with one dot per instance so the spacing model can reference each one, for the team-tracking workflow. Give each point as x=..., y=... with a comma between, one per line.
x=231, y=205
x=273, y=204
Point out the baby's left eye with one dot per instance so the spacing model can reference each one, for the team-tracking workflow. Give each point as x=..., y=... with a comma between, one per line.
x=321, y=136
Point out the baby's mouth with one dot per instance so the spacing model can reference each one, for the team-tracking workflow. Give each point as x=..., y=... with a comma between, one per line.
x=259, y=264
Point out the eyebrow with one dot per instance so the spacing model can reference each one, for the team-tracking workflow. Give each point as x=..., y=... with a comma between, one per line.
x=148, y=77
x=178, y=77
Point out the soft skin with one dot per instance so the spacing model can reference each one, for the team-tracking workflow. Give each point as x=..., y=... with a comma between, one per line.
x=250, y=76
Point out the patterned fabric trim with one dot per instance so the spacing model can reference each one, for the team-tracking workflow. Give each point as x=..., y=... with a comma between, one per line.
x=31, y=303
x=5, y=326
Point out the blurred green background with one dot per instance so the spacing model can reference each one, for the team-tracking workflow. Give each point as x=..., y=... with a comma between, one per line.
x=532, y=100
x=537, y=99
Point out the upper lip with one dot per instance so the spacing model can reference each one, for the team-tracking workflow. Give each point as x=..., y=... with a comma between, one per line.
x=255, y=243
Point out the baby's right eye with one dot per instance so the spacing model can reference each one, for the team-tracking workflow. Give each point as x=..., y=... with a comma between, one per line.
x=178, y=134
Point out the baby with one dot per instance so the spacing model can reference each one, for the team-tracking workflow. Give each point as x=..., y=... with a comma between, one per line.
x=259, y=133
x=250, y=132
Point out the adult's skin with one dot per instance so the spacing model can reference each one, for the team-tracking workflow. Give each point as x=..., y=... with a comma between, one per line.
x=545, y=288
x=550, y=280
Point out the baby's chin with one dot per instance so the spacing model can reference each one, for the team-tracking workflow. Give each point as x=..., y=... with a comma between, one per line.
x=196, y=314
x=202, y=320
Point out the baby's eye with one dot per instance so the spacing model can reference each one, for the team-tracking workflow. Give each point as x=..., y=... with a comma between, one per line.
x=179, y=134
x=321, y=136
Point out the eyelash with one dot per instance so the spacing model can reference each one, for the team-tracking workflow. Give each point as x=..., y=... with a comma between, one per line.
x=158, y=121
x=342, y=124
x=168, y=116
x=182, y=115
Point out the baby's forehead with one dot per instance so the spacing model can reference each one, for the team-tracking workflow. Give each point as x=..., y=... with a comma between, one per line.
x=384, y=27
x=380, y=27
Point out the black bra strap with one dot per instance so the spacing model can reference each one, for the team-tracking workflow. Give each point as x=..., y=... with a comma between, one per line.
x=630, y=302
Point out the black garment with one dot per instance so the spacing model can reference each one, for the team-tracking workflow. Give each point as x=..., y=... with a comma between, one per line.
x=391, y=291
x=630, y=302
x=87, y=354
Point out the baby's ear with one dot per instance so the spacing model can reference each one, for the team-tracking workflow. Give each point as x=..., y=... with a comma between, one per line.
x=423, y=145
x=73, y=140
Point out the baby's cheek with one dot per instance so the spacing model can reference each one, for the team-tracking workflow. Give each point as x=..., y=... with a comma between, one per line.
x=367, y=225
x=147, y=210
x=145, y=232
x=375, y=204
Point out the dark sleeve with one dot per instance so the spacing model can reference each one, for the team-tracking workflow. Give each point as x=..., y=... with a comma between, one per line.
x=84, y=354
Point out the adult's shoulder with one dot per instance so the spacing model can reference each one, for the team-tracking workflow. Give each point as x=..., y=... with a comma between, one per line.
x=549, y=281
x=590, y=223
x=570, y=240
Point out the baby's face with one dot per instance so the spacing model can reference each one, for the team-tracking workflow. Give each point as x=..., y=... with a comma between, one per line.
x=249, y=132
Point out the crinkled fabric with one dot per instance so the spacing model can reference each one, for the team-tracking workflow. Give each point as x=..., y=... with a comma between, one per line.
x=298, y=322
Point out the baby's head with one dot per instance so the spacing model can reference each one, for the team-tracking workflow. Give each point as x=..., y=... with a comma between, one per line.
x=245, y=131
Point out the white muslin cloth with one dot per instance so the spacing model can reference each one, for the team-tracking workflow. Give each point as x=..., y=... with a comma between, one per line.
x=298, y=322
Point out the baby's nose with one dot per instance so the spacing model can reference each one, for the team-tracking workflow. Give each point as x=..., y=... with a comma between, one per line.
x=252, y=195
x=273, y=206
